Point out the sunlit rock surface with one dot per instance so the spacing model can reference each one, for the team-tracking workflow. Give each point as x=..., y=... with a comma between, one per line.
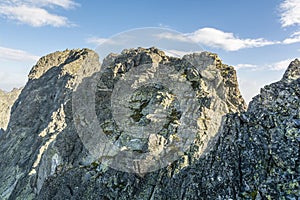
x=237, y=152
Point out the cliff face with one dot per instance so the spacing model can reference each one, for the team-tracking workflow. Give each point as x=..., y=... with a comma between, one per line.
x=30, y=147
x=7, y=100
x=233, y=153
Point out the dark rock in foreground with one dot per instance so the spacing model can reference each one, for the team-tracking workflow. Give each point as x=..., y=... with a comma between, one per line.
x=236, y=154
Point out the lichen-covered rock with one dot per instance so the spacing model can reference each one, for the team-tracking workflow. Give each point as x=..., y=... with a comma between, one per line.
x=209, y=79
x=216, y=87
x=256, y=155
x=7, y=100
x=236, y=153
x=293, y=71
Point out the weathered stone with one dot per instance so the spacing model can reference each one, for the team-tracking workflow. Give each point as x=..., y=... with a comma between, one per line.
x=39, y=140
x=293, y=71
x=236, y=153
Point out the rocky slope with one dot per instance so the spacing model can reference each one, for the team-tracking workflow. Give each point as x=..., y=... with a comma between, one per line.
x=233, y=153
x=7, y=100
x=39, y=116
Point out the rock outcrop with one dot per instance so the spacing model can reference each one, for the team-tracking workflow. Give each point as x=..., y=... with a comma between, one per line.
x=32, y=145
x=235, y=152
x=7, y=100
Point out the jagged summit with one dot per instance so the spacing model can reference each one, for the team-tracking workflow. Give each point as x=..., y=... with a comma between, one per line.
x=293, y=71
x=204, y=61
x=235, y=154
x=68, y=60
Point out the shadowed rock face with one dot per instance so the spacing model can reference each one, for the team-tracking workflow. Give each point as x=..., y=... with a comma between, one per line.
x=32, y=148
x=236, y=154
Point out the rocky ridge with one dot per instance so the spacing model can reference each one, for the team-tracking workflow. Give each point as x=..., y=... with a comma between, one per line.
x=237, y=153
x=38, y=117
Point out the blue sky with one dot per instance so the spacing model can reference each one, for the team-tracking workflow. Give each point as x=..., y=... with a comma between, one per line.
x=260, y=38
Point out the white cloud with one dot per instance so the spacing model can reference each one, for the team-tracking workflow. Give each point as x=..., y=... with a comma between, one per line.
x=281, y=65
x=245, y=66
x=16, y=55
x=35, y=13
x=295, y=37
x=225, y=40
x=66, y=4
x=215, y=38
x=15, y=64
x=33, y=16
x=96, y=41
x=290, y=13
x=276, y=66
x=172, y=36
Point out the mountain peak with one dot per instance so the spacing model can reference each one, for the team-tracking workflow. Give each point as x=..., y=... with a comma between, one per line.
x=293, y=71
x=60, y=59
x=231, y=152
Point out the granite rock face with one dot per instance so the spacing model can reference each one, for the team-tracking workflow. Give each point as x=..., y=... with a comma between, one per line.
x=32, y=147
x=236, y=153
x=7, y=100
x=257, y=153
